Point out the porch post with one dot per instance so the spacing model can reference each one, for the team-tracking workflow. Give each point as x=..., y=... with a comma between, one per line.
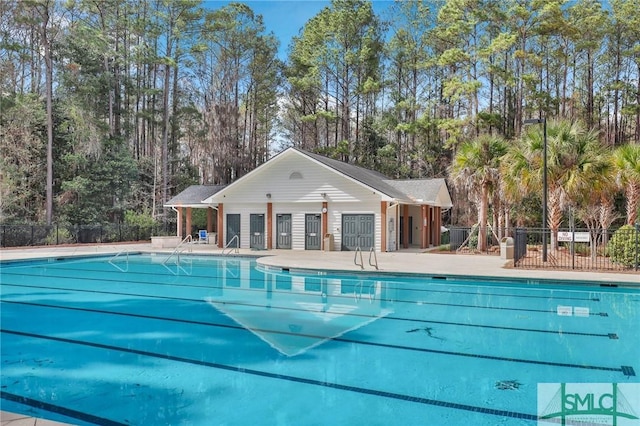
x=220, y=226
x=424, y=233
x=405, y=226
x=383, y=226
x=269, y=226
x=188, y=230
x=209, y=219
x=437, y=225
x=179, y=222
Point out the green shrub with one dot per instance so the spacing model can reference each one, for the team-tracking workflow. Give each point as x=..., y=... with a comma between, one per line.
x=473, y=241
x=622, y=246
x=139, y=219
x=59, y=236
x=583, y=249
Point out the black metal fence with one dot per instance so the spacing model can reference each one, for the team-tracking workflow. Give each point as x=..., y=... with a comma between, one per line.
x=465, y=239
x=578, y=249
x=38, y=235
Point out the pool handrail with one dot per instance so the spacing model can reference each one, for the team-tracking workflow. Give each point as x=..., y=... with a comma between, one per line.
x=355, y=258
x=237, y=240
x=375, y=257
x=177, y=250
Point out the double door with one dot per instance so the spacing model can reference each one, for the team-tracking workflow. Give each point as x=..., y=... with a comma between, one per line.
x=358, y=230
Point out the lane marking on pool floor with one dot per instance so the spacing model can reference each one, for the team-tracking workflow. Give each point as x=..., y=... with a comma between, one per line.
x=501, y=308
x=623, y=369
x=52, y=408
x=611, y=336
x=384, y=394
x=208, y=277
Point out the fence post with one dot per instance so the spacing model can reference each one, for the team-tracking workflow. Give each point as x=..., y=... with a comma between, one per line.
x=57, y=237
x=519, y=245
x=637, y=232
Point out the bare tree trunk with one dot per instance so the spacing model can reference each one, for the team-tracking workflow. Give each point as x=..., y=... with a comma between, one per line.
x=46, y=44
x=589, y=89
x=616, y=95
x=165, y=121
x=637, y=134
x=483, y=217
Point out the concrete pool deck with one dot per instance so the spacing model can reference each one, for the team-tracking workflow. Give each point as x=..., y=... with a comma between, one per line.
x=12, y=419
x=406, y=261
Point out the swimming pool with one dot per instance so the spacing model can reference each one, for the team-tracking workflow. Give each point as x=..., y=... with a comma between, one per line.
x=218, y=340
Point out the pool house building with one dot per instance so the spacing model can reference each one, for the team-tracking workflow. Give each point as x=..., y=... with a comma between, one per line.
x=299, y=200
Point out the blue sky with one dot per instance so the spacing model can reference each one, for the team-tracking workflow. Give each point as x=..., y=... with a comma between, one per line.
x=285, y=18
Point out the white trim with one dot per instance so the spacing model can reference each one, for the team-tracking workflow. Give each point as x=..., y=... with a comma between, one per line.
x=220, y=195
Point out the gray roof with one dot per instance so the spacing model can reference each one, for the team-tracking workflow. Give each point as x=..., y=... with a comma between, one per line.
x=411, y=191
x=193, y=195
x=371, y=178
x=422, y=190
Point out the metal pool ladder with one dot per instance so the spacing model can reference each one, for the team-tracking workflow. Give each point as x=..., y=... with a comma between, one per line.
x=184, y=245
x=355, y=258
x=372, y=255
x=375, y=258
x=237, y=240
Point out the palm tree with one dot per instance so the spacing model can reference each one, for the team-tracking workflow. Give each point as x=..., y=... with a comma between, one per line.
x=595, y=207
x=576, y=165
x=475, y=167
x=626, y=160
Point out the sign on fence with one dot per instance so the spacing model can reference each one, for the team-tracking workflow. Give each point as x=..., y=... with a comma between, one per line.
x=578, y=237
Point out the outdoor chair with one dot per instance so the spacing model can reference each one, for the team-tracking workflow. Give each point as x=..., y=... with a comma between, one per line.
x=203, y=237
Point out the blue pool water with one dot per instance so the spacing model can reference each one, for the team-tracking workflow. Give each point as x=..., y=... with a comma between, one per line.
x=221, y=341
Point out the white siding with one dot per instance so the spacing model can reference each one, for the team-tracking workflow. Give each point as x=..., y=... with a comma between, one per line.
x=316, y=180
x=245, y=211
x=335, y=219
x=298, y=212
x=393, y=226
x=299, y=197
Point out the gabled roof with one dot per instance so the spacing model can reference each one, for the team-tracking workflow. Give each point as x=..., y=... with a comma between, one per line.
x=425, y=191
x=371, y=178
x=414, y=191
x=193, y=196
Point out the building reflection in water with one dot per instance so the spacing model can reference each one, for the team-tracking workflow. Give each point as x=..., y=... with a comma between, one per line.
x=294, y=313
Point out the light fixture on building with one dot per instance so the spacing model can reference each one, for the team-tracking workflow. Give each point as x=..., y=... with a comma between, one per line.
x=323, y=194
x=268, y=195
